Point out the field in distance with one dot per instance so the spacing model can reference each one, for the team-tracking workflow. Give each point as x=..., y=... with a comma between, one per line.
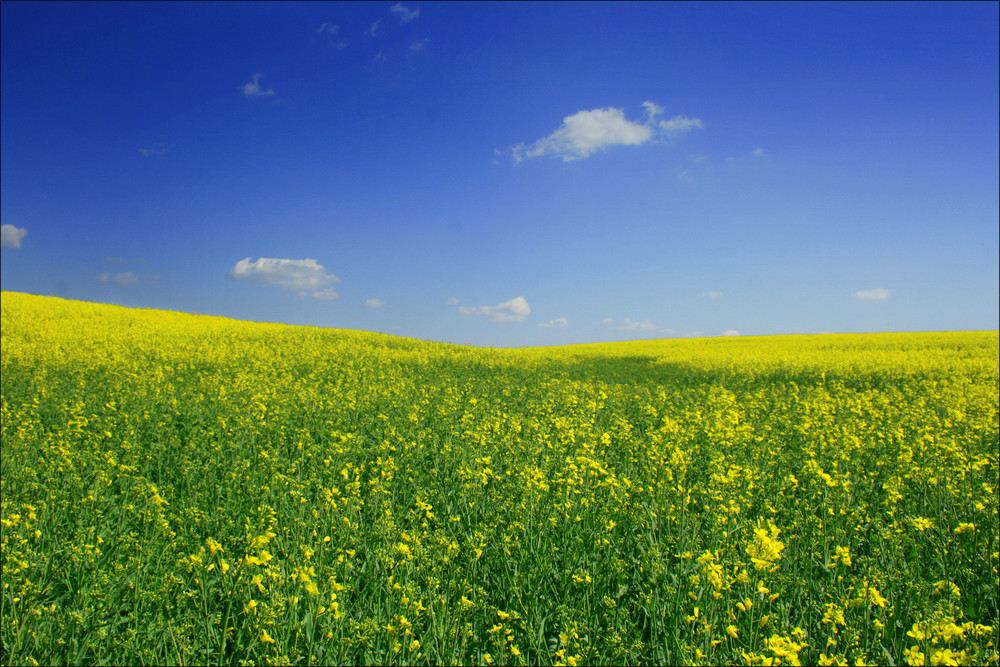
x=197, y=490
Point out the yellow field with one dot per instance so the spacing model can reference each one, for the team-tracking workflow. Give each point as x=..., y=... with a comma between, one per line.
x=192, y=489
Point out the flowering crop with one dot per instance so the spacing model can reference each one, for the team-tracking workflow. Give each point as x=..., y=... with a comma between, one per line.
x=192, y=489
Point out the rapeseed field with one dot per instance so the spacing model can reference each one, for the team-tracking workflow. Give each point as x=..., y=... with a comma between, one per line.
x=196, y=490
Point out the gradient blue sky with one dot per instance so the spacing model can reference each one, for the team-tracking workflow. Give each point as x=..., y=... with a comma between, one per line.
x=509, y=174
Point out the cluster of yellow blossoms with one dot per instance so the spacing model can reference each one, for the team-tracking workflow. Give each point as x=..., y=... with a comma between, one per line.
x=191, y=489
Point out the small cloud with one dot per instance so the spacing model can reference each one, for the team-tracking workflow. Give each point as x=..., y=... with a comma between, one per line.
x=330, y=30
x=758, y=152
x=328, y=294
x=514, y=310
x=877, y=294
x=681, y=124
x=712, y=295
x=607, y=320
x=667, y=331
x=452, y=301
x=730, y=332
x=643, y=325
x=157, y=149
x=695, y=334
x=306, y=276
x=123, y=279
x=559, y=322
x=586, y=132
x=652, y=109
x=10, y=236
x=420, y=45
x=374, y=303
x=405, y=14
x=698, y=158
x=253, y=88
x=374, y=29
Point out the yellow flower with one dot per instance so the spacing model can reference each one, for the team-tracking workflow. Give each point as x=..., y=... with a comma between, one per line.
x=843, y=556
x=213, y=546
x=732, y=631
x=765, y=550
x=965, y=528
x=266, y=638
x=917, y=632
x=914, y=656
x=946, y=657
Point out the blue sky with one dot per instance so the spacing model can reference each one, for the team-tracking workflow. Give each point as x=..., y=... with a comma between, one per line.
x=509, y=174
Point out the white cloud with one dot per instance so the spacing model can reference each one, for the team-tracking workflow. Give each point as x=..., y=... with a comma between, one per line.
x=652, y=109
x=758, y=152
x=124, y=279
x=374, y=29
x=643, y=325
x=681, y=124
x=10, y=236
x=877, y=294
x=330, y=30
x=305, y=275
x=560, y=322
x=730, y=332
x=712, y=295
x=452, y=301
x=157, y=149
x=374, y=303
x=420, y=45
x=586, y=132
x=667, y=331
x=405, y=15
x=328, y=294
x=253, y=88
x=607, y=320
x=514, y=310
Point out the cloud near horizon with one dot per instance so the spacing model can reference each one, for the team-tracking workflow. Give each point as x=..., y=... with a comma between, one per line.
x=305, y=275
x=10, y=236
x=514, y=310
x=374, y=303
x=559, y=322
x=126, y=278
x=877, y=294
x=586, y=132
x=631, y=325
